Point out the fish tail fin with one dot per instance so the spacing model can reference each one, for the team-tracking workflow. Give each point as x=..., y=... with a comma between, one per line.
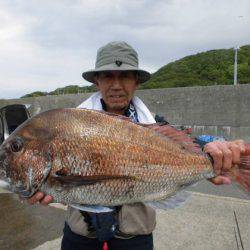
x=241, y=172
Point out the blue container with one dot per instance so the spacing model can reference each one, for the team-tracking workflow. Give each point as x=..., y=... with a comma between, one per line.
x=204, y=139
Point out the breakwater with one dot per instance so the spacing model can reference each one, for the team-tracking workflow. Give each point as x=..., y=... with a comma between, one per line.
x=217, y=110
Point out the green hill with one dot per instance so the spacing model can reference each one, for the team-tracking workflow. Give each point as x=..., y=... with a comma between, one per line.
x=207, y=68
x=70, y=89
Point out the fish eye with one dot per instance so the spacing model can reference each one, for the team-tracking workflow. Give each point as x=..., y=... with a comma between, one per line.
x=16, y=145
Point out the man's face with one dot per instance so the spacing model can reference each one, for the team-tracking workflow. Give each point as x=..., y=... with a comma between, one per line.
x=117, y=89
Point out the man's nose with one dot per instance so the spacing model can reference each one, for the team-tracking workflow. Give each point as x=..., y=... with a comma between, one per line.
x=117, y=84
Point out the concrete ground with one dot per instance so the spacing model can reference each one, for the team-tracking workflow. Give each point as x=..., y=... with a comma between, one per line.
x=206, y=221
x=26, y=227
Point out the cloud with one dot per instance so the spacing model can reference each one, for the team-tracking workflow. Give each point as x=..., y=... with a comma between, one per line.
x=48, y=44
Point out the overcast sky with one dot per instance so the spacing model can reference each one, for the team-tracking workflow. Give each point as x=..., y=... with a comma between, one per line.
x=48, y=44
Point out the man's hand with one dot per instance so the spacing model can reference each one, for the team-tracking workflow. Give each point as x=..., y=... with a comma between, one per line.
x=41, y=198
x=225, y=155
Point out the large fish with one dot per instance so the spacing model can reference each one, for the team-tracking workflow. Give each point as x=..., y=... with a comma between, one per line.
x=88, y=157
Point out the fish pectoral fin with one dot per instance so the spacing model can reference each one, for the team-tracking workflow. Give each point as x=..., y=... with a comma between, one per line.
x=79, y=180
x=175, y=201
x=92, y=209
x=72, y=180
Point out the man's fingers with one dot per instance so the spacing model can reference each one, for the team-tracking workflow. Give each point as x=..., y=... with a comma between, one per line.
x=241, y=144
x=219, y=180
x=217, y=158
x=236, y=151
x=227, y=157
x=46, y=200
x=216, y=154
x=222, y=155
x=36, y=198
x=40, y=197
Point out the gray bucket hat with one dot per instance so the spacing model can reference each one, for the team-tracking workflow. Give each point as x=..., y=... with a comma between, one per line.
x=116, y=56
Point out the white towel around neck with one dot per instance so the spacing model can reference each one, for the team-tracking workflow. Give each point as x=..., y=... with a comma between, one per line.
x=144, y=115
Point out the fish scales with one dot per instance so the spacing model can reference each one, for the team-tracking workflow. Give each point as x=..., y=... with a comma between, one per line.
x=129, y=162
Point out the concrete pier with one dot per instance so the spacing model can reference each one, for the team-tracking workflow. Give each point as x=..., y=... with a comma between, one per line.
x=206, y=222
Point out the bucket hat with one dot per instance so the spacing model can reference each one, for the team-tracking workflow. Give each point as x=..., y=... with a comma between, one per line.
x=116, y=56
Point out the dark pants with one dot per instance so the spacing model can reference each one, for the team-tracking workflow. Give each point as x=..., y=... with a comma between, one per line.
x=72, y=241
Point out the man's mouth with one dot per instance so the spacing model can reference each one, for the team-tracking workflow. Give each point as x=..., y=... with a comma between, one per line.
x=116, y=96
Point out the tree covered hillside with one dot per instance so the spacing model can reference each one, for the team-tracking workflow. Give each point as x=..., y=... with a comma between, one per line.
x=207, y=68
x=71, y=89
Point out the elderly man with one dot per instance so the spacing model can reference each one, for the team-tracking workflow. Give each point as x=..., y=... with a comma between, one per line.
x=117, y=76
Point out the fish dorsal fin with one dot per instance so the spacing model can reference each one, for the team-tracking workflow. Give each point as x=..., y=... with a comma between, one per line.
x=170, y=132
x=178, y=136
x=175, y=201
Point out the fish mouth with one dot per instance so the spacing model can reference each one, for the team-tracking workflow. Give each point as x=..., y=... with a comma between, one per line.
x=26, y=191
x=23, y=190
x=5, y=181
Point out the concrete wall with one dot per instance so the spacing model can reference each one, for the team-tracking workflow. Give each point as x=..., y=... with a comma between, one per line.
x=219, y=110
